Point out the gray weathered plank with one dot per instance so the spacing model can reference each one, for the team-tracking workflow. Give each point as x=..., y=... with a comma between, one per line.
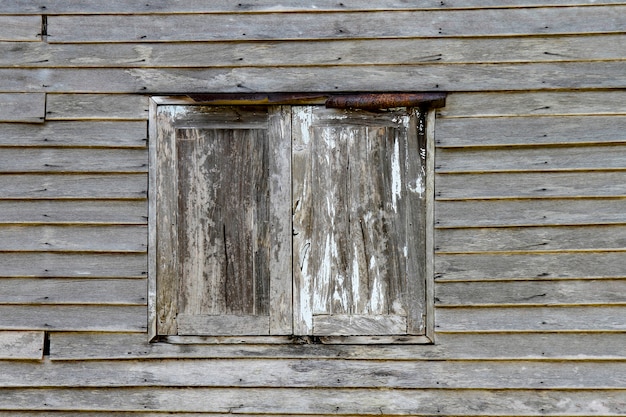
x=21, y=345
x=288, y=401
x=431, y=77
x=396, y=24
x=46, y=264
x=96, y=106
x=79, y=212
x=348, y=325
x=525, y=239
x=18, y=160
x=226, y=6
x=27, y=107
x=525, y=103
x=33, y=291
x=95, y=134
x=61, y=186
x=318, y=374
x=20, y=28
x=480, y=213
x=591, y=265
x=542, y=292
x=74, y=238
x=530, y=184
x=600, y=157
x=555, y=318
x=532, y=346
x=341, y=52
x=73, y=318
x=222, y=325
x=504, y=131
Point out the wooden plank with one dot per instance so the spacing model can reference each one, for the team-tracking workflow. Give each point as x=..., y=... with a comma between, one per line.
x=73, y=318
x=20, y=28
x=528, y=346
x=530, y=185
x=344, y=52
x=222, y=325
x=477, y=213
x=73, y=212
x=395, y=24
x=317, y=374
x=49, y=160
x=33, y=291
x=23, y=345
x=79, y=265
x=431, y=77
x=319, y=401
x=96, y=134
x=560, y=292
x=73, y=238
x=225, y=6
x=96, y=106
x=511, y=104
x=548, y=130
x=27, y=107
x=475, y=319
x=591, y=265
x=348, y=325
x=600, y=157
x=62, y=186
x=520, y=239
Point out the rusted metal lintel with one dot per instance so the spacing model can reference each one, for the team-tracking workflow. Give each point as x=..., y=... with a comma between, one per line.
x=368, y=101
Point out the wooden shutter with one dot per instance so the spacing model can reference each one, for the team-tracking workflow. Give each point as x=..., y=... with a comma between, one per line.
x=359, y=223
x=223, y=221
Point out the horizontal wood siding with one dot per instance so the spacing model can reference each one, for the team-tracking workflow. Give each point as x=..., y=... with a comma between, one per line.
x=530, y=194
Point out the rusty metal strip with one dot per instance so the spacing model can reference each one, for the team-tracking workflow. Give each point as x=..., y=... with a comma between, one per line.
x=386, y=100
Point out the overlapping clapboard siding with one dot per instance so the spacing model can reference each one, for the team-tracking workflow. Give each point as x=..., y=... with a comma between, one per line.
x=529, y=212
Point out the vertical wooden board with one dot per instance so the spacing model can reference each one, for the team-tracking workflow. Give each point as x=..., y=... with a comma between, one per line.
x=20, y=28
x=21, y=345
x=357, y=204
x=26, y=107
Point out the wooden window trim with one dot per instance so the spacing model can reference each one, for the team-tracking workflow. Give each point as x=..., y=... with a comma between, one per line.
x=427, y=102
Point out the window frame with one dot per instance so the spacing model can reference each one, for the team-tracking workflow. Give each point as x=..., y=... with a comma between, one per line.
x=426, y=102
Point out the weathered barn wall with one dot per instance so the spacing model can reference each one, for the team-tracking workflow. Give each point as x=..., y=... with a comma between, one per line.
x=529, y=214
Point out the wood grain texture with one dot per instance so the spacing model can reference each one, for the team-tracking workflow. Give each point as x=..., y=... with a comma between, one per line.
x=88, y=134
x=25, y=108
x=80, y=265
x=319, y=402
x=73, y=212
x=225, y=6
x=24, y=345
x=589, y=265
x=20, y=28
x=74, y=160
x=540, y=292
x=516, y=319
x=73, y=238
x=547, y=130
x=530, y=185
x=358, y=218
x=76, y=291
x=479, y=213
x=432, y=77
x=526, y=239
x=314, y=52
x=79, y=186
x=317, y=374
x=74, y=346
x=524, y=103
x=73, y=318
x=396, y=24
x=96, y=106
x=601, y=157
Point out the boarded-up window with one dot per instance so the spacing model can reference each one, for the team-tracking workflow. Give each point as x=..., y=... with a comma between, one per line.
x=289, y=220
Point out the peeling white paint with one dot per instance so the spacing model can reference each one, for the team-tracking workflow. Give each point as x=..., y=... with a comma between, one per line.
x=305, y=114
x=396, y=177
x=356, y=279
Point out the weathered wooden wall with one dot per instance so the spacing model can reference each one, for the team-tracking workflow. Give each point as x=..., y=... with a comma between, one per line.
x=529, y=215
